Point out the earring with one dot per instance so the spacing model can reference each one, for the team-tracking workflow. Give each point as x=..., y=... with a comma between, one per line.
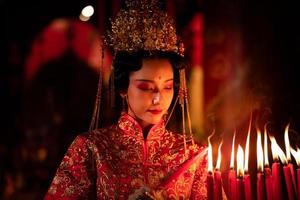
x=165, y=116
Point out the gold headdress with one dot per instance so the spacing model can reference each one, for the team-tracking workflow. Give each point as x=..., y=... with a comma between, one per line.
x=144, y=26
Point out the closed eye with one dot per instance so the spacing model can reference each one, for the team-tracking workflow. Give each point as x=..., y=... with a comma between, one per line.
x=168, y=87
x=145, y=87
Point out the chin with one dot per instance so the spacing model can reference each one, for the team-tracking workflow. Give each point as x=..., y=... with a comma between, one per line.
x=154, y=120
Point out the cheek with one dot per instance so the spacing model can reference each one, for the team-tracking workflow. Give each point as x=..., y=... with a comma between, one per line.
x=170, y=97
x=139, y=96
x=167, y=97
x=138, y=100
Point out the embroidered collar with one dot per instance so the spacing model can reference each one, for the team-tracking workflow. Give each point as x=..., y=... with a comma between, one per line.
x=131, y=127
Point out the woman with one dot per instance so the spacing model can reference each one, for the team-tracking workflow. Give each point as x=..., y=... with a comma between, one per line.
x=137, y=158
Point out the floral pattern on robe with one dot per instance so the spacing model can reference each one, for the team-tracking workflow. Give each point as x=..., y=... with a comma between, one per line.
x=119, y=163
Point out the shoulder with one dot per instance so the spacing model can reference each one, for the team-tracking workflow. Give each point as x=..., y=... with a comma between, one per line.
x=95, y=137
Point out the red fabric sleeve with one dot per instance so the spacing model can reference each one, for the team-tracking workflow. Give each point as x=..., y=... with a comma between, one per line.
x=73, y=179
x=199, y=184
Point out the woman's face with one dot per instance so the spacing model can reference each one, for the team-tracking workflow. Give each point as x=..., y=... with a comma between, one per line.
x=150, y=91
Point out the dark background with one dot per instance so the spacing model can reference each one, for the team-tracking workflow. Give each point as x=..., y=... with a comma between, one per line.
x=270, y=44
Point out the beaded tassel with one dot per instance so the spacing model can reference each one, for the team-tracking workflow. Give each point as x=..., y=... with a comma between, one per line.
x=95, y=118
x=183, y=101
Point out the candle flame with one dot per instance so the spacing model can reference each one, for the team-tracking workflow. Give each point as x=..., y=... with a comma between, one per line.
x=277, y=151
x=296, y=155
x=287, y=143
x=240, y=162
x=232, y=152
x=247, y=146
x=219, y=156
x=259, y=151
x=266, y=159
x=210, y=157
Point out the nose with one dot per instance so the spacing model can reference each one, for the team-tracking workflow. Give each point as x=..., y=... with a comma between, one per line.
x=156, y=98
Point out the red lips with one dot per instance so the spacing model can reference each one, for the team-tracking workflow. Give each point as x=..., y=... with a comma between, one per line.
x=155, y=112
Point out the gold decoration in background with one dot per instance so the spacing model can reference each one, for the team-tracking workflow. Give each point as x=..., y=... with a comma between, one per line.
x=144, y=26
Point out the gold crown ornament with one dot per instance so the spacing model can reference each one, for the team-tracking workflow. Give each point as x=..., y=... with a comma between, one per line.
x=144, y=26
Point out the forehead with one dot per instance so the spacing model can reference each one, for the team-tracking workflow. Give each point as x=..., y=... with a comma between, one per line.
x=154, y=68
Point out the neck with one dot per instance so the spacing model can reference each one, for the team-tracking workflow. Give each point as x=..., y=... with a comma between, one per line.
x=145, y=126
x=146, y=130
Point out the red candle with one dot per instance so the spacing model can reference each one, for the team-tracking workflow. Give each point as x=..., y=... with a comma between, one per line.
x=268, y=181
x=231, y=175
x=218, y=185
x=240, y=188
x=276, y=169
x=217, y=173
x=291, y=174
x=296, y=155
x=232, y=184
x=267, y=170
x=276, y=177
x=291, y=167
x=298, y=178
x=247, y=187
x=210, y=186
x=260, y=186
x=289, y=182
x=240, y=174
x=210, y=178
x=247, y=182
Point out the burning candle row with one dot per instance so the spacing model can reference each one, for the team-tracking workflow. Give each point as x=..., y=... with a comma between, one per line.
x=239, y=184
x=279, y=188
x=214, y=180
x=277, y=182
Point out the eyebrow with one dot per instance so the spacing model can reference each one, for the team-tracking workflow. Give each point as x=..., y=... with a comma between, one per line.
x=151, y=81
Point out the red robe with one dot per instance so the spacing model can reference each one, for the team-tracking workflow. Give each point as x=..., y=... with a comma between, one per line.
x=118, y=163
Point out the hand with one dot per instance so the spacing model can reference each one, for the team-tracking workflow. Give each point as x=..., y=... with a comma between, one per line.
x=153, y=195
x=146, y=194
